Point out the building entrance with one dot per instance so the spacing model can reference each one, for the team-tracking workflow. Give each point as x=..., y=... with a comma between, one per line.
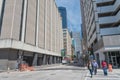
x=114, y=61
x=113, y=58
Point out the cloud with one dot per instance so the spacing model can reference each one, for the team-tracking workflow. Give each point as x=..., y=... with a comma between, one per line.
x=73, y=13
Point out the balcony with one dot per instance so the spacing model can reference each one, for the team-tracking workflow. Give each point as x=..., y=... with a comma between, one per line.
x=110, y=31
x=110, y=19
x=103, y=1
x=111, y=8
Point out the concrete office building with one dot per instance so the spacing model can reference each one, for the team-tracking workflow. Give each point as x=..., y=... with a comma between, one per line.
x=67, y=40
x=63, y=14
x=102, y=22
x=30, y=31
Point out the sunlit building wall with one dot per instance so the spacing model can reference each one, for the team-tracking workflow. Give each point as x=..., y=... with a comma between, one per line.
x=30, y=31
x=67, y=40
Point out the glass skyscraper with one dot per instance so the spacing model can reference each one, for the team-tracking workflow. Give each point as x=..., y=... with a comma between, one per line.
x=63, y=13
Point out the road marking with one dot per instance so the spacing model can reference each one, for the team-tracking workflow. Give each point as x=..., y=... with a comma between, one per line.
x=86, y=77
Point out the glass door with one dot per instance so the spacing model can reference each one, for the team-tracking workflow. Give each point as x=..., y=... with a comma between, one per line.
x=114, y=61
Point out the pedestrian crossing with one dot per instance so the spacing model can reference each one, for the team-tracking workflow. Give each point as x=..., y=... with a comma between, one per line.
x=115, y=75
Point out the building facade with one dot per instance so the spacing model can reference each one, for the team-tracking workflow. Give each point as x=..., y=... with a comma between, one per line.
x=67, y=41
x=63, y=14
x=78, y=47
x=30, y=31
x=103, y=29
x=77, y=40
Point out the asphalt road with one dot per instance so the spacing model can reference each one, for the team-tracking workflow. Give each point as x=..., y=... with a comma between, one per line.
x=59, y=72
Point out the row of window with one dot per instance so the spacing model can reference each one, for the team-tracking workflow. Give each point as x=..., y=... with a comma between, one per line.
x=106, y=3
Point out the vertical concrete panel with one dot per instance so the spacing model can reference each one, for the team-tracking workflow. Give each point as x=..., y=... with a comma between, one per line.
x=8, y=19
x=49, y=25
x=51, y=12
x=31, y=22
x=45, y=22
x=53, y=29
x=41, y=42
x=17, y=20
x=12, y=19
x=35, y=59
x=44, y=59
x=52, y=26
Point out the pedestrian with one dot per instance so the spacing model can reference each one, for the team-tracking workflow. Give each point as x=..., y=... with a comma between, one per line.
x=110, y=67
x=90, y=68
x=104, y=67
x=17, y=65
x=95, y=66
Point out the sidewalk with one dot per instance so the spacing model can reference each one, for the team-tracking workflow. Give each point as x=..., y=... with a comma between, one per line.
x=35, y=67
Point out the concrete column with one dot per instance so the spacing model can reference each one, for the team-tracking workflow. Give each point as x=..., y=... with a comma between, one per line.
x=54, y=60
x=47, y=59
x=44, y=59
x=20, y=56
x=51, y=60
x=35, y=59
x=60, y=59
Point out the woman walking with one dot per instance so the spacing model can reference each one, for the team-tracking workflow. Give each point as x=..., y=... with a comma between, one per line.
x=90, y=68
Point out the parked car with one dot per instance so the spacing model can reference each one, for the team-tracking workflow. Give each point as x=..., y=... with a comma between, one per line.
x=64, y=61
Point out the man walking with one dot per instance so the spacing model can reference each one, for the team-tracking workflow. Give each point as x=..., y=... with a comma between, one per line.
x=95, y=66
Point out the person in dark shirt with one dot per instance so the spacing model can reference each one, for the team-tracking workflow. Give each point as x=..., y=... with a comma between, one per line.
x=90, y=68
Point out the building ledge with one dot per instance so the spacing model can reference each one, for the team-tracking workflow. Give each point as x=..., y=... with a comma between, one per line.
x=13, y=44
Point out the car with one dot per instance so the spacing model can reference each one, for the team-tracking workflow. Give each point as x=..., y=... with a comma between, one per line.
x=64, y=61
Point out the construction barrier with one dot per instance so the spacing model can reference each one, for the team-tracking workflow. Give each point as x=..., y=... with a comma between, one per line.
x=25, y=67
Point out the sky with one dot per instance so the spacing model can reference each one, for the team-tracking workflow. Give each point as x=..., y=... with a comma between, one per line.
x=73, y=13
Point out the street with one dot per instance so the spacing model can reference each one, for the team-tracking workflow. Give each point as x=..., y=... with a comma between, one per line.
x=59, y=72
